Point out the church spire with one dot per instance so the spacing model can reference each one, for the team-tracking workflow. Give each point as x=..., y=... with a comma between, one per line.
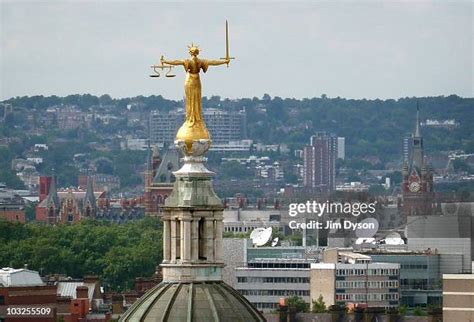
x=89, y=199
x=417, y=144
x=53, y=199
x=53, y=203
x=417, y=126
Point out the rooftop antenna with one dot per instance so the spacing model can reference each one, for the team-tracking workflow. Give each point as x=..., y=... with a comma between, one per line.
x=360, y=241
x=394, y=239
x=275, y=241
x=260, y=236
x=367, y=232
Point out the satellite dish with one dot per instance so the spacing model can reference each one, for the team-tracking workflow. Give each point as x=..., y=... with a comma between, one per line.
x=369, y=227
x=394, y=239
x=275, y=241
x=260, y=236
x=361, y=241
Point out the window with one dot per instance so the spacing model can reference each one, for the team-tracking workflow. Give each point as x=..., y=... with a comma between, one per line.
x=2, y=300
x=201, y=239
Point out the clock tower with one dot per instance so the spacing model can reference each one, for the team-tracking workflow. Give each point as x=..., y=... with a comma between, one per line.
x=417, y=183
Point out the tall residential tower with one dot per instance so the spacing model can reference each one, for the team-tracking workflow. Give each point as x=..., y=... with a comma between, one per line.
x=320, y=163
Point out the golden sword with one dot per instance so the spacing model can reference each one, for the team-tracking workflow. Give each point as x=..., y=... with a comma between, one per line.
x=227, y=55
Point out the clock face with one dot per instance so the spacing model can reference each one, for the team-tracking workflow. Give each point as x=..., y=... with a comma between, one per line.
x=414, y=187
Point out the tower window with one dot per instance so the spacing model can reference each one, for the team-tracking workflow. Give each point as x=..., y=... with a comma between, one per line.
x=201, y=239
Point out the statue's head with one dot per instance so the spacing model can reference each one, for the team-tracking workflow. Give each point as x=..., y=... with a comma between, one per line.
x=193, y=50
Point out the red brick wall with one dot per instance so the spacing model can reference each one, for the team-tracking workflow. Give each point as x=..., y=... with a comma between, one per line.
x=29, y=295
x=13, y=215
x=41, y=214
x=45, y=182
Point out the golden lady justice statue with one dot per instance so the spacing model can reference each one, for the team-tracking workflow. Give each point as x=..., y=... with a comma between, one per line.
x=194, y=129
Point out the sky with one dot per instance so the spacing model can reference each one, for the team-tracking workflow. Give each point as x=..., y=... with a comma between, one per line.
x=351, y=49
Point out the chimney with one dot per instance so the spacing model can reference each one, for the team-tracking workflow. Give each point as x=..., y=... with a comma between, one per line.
x=82, y=292
x=93, y=279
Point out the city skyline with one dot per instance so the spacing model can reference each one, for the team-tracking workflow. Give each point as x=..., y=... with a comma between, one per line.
x=363, y=50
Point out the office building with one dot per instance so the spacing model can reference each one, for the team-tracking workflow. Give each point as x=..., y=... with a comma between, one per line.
x=264, y=281
x=420, y=271
x=341, y=148
x=265, y=274
x=420, y=278
x=164, y=125
x=356, y=281
x=223, y=126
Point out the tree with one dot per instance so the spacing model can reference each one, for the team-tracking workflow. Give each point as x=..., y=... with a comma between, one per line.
x=297, y=302
x=419, y=311
x=30, y=211
x=296, y=238
x=318, y=305
x=290, y=177
x=402, y=309
x=117, y=253
x=234, y=169
x=461, y=166
x=10, y=179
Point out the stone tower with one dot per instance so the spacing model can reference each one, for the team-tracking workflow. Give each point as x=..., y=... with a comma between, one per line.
x=192, y=287
x=417, y=183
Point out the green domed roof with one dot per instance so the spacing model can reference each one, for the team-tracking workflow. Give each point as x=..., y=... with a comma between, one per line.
x=197, y=301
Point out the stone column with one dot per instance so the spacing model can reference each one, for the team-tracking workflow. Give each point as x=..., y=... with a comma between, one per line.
x=166, y=241
x=186, y=246
x=173, y=240
x=195, y=240
x=209, y=239
x=219, y=227
x=181, y=239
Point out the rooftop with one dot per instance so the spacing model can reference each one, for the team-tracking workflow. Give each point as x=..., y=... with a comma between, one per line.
x=69, y=289
x=211, y=301
x=11, y=277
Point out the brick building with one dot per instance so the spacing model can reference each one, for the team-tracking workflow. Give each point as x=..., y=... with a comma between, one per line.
x=69, y=205
x=13, y=213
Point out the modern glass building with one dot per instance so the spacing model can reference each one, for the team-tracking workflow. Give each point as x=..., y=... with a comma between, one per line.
x=420, y=278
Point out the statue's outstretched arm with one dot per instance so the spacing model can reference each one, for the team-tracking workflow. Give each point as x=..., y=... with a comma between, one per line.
x=218, y=62
x=171, y=62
